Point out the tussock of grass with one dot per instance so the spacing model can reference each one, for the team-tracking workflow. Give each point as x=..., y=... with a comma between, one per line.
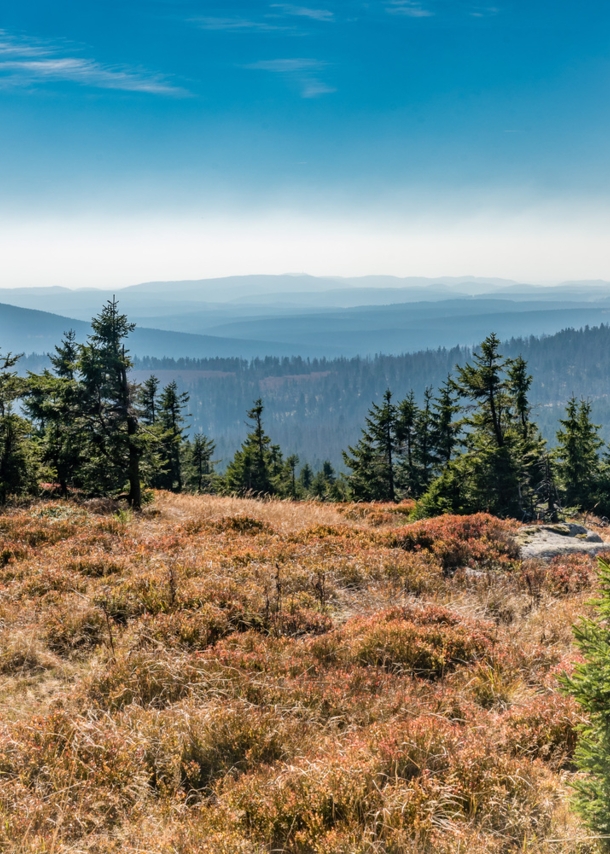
x=237, y=676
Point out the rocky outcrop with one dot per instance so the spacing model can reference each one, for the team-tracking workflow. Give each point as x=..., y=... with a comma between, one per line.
x=563, y=538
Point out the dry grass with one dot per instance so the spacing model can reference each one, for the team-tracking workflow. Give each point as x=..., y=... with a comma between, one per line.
x=226, y=675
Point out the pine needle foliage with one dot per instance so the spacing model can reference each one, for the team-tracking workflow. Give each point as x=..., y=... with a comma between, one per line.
x=590, y=685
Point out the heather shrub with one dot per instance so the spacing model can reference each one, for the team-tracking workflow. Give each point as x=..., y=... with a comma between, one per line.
x=480, y=540
x=296, y=622
x=426, y=641
x=379, y=514
x=41, y=580
x=545, y=728
x=190, y=748
x=413, y=748
x=144, y=678
x=494, y=683
x=85, y=767
x=295, y=810
x=243, y=525
x=173, y=684
x=187, y=629
x=134, y=597
x=502, y=794
x=397, y=795
x=569, y=574
x=20, y=656
x=35, y=530
x=95, y=567
x=417, y=573
x=74, y=628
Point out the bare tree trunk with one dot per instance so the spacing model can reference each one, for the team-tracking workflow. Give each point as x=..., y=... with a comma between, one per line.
x=135, y=487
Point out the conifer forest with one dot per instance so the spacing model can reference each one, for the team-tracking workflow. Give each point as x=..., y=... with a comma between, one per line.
x=469, y=445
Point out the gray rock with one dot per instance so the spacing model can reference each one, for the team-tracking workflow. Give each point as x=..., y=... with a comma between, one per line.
x=563, y=538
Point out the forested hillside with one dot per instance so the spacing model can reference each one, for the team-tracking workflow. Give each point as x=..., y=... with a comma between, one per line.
x=315, y=407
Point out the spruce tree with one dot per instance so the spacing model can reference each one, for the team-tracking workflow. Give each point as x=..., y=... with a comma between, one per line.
x=407, y=419
x=502, y=464
x=373, y=460
x=292, y=463
x=54, y=403
x=518, y=385
x=252, y=469
x=200, y=471
x=424, y=444
x=590, y=685
x=18, y=456
x=108, y=413
x=445, y=429
x=306, y=476
x=577, y=455
x=325, y=484
x=170, y=421
x=148, y=400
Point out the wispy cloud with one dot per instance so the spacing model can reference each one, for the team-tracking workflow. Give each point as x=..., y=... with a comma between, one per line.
x=286, y=66
x=484, y=13
x=304, y=72
x=26, y=63
x=305, y=12
x=236, y=25
x=18, y=47
x=408, y=8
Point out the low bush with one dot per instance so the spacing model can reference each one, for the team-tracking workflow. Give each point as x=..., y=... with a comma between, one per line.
x=480, y=540
x=427, y=641
x=544, y=728
x=75, y=628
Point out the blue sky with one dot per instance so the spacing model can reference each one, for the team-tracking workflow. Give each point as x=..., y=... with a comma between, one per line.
x=437, y=122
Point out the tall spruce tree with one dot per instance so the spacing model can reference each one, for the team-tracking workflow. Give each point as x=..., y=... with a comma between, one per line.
x=306, y=477
x=292, y=463
x=407, y=420
x=252, y=469
x=445, y=428
x=53, y=402
x=577, y=456
x=108, y=412
x=148, y=400
x=170, y=420
x=503, y=450
x=373, y=460
x=518, y=384
x=201, y=477
x=424, y=445
x=18, y=454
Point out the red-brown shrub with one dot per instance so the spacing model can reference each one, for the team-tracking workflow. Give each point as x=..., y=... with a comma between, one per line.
x=480, y=540
x=427, y=641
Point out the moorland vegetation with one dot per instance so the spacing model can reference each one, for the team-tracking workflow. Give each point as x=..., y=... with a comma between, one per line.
x=220, y=674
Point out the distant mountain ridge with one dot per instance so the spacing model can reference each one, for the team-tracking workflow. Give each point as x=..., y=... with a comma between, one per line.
x=236, y=293
x=290, y=315
x=31, y=331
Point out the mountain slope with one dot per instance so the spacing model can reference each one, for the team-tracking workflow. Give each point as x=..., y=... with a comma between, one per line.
x=32, y=331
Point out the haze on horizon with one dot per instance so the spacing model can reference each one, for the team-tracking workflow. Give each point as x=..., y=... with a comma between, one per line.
x=187, y=139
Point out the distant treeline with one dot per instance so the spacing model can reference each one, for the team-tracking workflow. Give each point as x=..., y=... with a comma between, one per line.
x=315, y=407
x=95, y=421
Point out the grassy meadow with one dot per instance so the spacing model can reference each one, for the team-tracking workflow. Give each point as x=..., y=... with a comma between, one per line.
x=236, y=677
